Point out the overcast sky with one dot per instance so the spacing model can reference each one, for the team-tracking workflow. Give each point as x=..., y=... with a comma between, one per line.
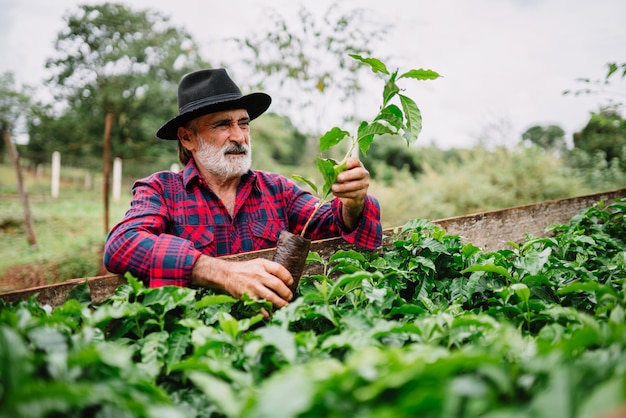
x=505, y=62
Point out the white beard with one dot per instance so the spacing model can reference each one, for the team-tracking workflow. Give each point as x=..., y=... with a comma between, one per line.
x=216, y=161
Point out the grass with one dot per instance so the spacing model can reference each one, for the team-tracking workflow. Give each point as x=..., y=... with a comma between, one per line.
x=69, y=230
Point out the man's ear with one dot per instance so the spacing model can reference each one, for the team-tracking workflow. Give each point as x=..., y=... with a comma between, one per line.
x=183, y=134
x=185, y=138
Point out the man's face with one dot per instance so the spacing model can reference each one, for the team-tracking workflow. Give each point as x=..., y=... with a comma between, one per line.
x=221, y=143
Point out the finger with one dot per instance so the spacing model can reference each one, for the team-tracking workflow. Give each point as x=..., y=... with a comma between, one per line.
x=275, y=299
x=265, y=313
x=354, y=174
x=350, y=189
x=352, y=162
x=278, y=270
x=278, y=289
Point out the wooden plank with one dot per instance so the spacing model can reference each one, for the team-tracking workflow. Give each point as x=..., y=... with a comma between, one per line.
x=492, y=230
x=489, y=230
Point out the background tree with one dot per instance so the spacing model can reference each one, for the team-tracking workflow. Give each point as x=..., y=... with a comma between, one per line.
x=548, y=138
x=392, y=153
x=14, y=103
x=113, y=68
x=604, y=135
x=605, y=132
x=307, y=59
x=277, y=141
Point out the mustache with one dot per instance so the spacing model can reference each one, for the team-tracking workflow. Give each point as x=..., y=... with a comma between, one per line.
x=236, y=149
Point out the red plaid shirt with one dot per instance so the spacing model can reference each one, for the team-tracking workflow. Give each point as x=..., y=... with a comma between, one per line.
x=175, y=217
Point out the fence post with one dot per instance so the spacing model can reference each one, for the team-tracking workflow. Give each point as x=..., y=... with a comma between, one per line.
x=56, y=173
x=117, y=179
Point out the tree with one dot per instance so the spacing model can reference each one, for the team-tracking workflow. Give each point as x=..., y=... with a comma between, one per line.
x=114, y=67
x=605, y=132
x=13, y=106
x=548, y=138
x=308, y=59
x=277, y=141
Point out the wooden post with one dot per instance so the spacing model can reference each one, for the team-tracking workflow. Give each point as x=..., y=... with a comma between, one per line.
x=117, y=179
x=106, y=163
x=56, y=174
x=29, y=229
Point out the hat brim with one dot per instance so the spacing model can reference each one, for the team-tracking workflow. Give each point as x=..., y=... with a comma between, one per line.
x=254, y=103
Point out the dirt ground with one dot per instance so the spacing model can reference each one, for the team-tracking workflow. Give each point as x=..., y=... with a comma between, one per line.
x=34, y=275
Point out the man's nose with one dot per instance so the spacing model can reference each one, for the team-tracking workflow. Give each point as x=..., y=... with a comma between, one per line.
x=237, y=134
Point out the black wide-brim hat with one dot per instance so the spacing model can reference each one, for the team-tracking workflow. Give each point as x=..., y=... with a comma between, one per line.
x=208, y=91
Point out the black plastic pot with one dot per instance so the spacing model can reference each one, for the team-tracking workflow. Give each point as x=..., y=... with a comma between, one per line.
x=291, y=252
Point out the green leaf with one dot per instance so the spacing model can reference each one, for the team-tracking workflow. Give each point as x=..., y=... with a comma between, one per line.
x=153, y=351
x=332, y=138
x=281, y=339
x=375, y=64
x=327, y=168
x=425, y=263
x=489, y=268
x=219, y=391
x=229, y=324
x=522, y=291
x=413, y=117
x=605, y=399
x=177, y=345
x=210, y=300
x=81, y=293
x=393, y=116
x=314, y=257
x=592, y=286
x=533, y=262
x=337, y=287
x=366, y=133
x=390, y=90
x=15, y=362
x=288, y=393
x=421, y=74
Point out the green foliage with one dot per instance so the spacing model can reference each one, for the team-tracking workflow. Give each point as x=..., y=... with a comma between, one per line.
x=430, y=326
x=14, y=102
x=277, y=141
x=14, y=107
x=303, y=59
x=595, y=171
x=605, y=132
x=549, y=138
x=462, y=181
x=390, y=120
x=111, y=60
x=391, y=153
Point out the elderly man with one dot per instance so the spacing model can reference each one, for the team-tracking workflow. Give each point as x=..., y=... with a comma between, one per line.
x=180, y=223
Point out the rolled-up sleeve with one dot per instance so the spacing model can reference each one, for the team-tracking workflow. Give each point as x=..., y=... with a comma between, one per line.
x=368, y=233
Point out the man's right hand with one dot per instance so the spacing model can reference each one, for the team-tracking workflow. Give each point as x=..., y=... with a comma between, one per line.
x=260, y=278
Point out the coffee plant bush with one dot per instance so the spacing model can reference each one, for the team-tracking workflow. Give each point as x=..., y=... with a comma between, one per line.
x=430, y=326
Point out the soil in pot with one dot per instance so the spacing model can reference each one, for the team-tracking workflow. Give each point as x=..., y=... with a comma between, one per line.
x=291, y=252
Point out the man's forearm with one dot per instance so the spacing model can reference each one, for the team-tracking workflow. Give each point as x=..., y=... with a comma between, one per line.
x=351, y=217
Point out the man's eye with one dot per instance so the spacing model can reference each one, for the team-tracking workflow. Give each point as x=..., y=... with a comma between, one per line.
x=244, y=125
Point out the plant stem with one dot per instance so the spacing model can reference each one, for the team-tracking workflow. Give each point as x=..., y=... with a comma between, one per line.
x=324, y=200
x=317, y=208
